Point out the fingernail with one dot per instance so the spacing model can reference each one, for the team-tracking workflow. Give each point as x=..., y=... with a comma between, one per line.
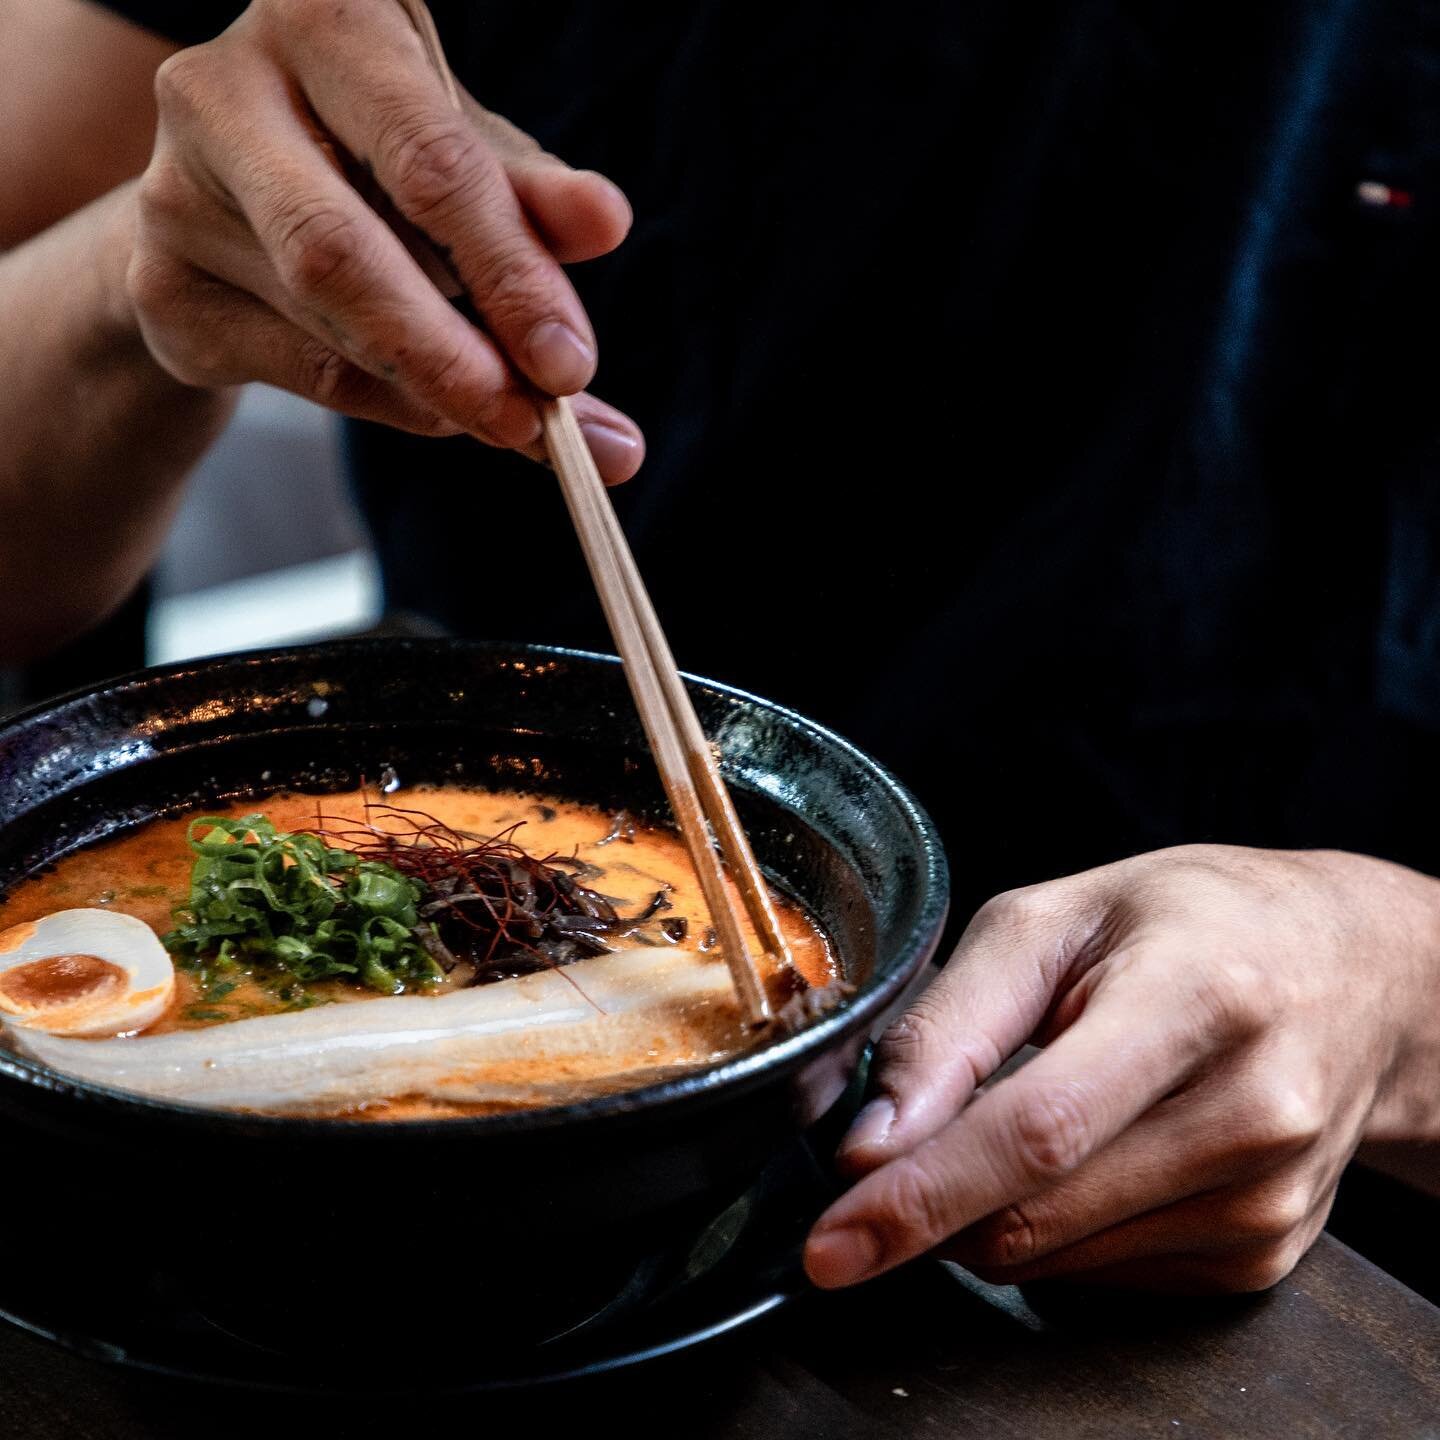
x=561, y=360
x=841, y=1257
x=871, y=1127
x=617, y=453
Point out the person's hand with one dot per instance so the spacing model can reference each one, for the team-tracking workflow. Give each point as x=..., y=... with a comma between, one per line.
x=256, y=258
x=1222, y=1027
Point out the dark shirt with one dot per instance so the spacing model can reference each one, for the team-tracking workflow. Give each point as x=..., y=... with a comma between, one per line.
x=1031, y=396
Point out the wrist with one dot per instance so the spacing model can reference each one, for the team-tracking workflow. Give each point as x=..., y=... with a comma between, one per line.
x=1407, y=1107
x=110, y=341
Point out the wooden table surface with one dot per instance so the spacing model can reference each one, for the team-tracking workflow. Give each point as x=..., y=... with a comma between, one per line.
x=1338, y=1349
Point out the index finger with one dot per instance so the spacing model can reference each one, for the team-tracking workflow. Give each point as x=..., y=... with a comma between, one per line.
x=372, y=85
x=1022, y=1137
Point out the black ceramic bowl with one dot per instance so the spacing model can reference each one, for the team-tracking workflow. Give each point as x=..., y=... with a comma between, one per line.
x=344, y=1235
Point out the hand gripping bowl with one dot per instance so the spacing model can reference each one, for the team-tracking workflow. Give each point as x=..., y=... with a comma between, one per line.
x=359, y=1239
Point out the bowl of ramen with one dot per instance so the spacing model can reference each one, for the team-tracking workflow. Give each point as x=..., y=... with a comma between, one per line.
x=364, y=993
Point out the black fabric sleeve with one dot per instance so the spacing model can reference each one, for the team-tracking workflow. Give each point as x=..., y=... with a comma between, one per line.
x=187, y=22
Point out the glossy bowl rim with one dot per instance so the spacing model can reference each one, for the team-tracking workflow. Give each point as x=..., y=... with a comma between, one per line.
x=733, y=1077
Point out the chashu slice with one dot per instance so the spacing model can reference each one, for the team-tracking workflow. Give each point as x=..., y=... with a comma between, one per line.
x=604, y=1023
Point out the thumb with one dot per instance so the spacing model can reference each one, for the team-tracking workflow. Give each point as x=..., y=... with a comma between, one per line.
x=1017, y=956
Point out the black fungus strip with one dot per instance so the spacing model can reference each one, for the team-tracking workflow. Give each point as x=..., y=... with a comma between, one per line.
x=492, y=910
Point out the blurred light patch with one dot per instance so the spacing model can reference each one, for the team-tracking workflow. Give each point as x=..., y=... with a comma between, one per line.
x=318, y=600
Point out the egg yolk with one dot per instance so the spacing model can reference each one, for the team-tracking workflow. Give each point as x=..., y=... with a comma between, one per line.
x=58, y=980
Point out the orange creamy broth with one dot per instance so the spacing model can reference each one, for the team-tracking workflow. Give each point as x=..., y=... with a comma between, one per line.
x=147, y=874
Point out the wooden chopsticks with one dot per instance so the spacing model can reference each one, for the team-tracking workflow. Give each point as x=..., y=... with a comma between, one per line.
x=688, y=769
x=687, y=766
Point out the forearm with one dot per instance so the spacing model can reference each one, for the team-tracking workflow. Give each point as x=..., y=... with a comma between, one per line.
x=98, y=439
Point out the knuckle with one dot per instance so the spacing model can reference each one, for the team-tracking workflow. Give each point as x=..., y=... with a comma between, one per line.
x=913, y=1206
x=1261, y=1269
x=183, y=82
x=506, y=417
x=189, y=360
x=155, y=287
x=178, y=365
x=200, y=370
x=1013, y=911
x=1010, y=1239
x=1287, y=1120
x=1234, y=998
x=918, y=1034
x=1267, y=1218
x=320, y=250
x=445, y=375
x=324, y=375
x=435, y=161
x=436, y=426
x=165, y=193
x=1289, y=1212
x=1051, y=1134
x=513, y=278
x=452, y=383
x=927, y=1038
x=176, y=79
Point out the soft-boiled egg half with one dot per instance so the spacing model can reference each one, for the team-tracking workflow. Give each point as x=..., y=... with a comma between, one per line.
x=83, y=972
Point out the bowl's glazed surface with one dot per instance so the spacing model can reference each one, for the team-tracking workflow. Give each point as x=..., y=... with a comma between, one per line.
x=517, y=1219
